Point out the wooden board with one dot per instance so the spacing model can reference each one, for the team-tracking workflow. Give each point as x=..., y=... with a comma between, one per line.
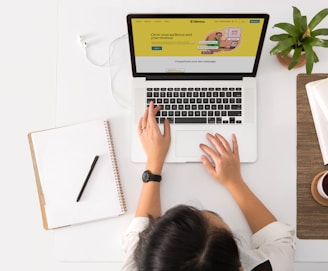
x=312, y=217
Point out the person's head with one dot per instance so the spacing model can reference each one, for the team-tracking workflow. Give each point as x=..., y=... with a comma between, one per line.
x=218, y=35
x=185, y=238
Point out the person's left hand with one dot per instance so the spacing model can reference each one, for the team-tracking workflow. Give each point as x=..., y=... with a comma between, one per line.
x=155, y=144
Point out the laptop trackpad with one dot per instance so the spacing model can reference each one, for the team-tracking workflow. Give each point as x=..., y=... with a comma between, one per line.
x=187, y=143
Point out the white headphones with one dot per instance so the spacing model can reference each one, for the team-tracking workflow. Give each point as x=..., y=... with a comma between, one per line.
x=84, y=45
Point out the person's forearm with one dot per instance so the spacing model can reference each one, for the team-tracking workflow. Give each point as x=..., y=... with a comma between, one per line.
x=255, y=212
x=149, y=201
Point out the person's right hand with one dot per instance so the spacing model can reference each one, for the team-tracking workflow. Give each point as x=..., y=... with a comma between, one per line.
x=222, y=161
x=155, y=144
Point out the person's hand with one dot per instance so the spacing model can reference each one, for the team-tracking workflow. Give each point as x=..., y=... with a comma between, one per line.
x=155, y=144
x=222, y=161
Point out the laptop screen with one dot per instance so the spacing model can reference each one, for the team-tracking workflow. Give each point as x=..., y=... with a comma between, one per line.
x=196, y=44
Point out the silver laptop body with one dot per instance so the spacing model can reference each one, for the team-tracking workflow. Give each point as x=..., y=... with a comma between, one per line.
x=200, y=68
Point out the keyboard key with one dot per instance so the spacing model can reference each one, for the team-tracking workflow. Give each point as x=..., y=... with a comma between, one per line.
x=234, y=113
x=211, y=120
x=236, y=107
x=191, y=120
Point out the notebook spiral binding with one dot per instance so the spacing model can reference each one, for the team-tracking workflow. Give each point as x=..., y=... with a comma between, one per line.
x=115, y=167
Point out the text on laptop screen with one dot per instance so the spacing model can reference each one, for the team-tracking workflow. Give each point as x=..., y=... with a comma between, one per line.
x=192, y=45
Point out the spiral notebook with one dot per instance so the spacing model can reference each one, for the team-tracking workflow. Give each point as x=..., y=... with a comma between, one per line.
x=61, y=159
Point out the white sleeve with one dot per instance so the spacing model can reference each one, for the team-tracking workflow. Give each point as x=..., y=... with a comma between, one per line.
x=130, y=241
x=277, y=242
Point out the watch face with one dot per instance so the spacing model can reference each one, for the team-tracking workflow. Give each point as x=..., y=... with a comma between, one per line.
x=146, y=176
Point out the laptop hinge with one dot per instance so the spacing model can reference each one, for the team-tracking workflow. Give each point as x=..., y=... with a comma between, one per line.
x=194, y=77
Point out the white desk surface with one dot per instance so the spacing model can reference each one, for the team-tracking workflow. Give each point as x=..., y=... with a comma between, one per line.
x=45, y=83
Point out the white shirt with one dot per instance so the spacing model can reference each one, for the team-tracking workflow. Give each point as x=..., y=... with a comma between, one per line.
x=275, y=242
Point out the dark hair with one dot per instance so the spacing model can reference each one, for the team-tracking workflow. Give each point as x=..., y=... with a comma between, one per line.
x=183, y=240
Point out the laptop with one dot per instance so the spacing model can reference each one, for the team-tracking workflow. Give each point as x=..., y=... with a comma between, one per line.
x=200, y=68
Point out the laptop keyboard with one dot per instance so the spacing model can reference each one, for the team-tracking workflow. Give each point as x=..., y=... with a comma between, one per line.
x=198, y=105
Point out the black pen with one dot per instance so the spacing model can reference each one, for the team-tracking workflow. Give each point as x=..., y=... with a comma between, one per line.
x=88, y=177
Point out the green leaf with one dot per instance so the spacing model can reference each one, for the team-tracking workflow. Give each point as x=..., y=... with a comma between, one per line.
x=303, y=24
x=289, y=28
x=283, y=45
x=297, y=16
x=286, y=52
x=318, y=18
x=324, y=43
x=295, y=58
x=316, y=59
x=312, y=41
x=279, y=37
x=310, y=57
x=319, y=32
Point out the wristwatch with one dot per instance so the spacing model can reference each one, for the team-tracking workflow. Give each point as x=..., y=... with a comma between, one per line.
x=147, y=176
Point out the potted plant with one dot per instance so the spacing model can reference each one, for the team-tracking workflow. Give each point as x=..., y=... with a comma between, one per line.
x=299, y=39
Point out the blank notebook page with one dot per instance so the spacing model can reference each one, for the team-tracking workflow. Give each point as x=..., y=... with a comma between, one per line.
x=64, y=156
